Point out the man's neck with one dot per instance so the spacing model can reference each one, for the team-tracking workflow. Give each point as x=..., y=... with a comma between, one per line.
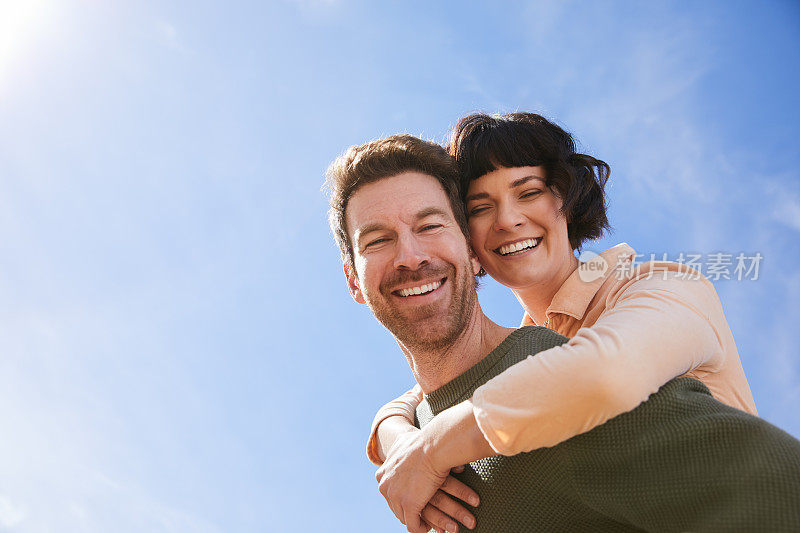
x=432, y=369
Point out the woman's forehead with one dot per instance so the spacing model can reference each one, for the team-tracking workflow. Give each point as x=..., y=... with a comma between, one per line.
x=507, y=178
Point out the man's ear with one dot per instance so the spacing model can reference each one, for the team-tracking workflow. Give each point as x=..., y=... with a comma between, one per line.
x=352, y=285
x=476, y=264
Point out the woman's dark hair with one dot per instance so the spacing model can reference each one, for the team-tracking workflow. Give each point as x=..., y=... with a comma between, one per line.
x=482, y=143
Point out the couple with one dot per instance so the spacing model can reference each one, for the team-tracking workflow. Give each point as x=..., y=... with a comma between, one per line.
x=620, y=405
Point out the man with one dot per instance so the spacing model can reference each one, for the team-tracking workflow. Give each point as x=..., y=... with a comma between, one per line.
x=679, y=462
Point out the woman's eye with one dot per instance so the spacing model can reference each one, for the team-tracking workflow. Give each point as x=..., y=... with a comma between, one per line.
x=478, y=210
x=530, y=194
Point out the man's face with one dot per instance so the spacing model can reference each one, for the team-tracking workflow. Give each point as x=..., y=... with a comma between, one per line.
x=413, y=266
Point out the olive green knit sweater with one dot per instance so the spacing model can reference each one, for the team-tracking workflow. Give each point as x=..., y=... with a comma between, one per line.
x=681, y=461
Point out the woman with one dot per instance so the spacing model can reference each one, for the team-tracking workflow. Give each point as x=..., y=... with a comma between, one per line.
x=531, y=201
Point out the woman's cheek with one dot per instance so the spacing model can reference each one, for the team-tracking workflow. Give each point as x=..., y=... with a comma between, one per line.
x=476, y=238
x=484, y=256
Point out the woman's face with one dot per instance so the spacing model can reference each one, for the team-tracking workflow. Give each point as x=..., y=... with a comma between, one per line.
x=516, y=227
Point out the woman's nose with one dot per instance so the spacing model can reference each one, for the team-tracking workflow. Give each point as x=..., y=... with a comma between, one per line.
x=508, y=218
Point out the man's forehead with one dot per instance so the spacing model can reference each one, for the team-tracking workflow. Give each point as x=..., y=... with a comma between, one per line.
x=397, y=199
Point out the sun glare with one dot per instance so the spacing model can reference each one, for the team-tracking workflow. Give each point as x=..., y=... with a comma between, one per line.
x=21, y=22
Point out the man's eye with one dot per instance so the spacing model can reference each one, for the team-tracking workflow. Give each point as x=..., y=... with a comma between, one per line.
x=429, y=227
x=376, y=241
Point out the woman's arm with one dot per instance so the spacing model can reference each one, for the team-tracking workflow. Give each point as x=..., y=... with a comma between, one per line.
x=654, y=330
x=414, y=477
x=394, y=435
x=651, y=331
x=391, y=421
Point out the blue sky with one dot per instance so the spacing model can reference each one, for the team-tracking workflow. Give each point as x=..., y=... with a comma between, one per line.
x=178, y=351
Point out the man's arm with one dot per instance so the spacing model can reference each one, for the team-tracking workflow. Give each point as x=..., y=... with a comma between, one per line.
x=683, y=461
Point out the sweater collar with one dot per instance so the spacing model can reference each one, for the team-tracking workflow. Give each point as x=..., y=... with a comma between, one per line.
x=460, y=388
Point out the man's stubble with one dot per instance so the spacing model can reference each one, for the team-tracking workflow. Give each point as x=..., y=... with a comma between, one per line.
x=430, y=327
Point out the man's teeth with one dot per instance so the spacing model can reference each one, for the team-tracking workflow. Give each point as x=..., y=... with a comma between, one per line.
x=422, y=289
x=517, y=246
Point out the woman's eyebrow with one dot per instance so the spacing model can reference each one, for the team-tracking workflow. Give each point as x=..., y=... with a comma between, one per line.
x=523, y=180
x=476, y=196
x=515, y=183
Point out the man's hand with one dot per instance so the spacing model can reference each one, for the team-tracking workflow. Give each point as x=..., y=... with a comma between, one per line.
x=417, y=490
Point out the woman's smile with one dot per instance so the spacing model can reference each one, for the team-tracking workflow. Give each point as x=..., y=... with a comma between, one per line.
x=516, y=248
x=517, y=229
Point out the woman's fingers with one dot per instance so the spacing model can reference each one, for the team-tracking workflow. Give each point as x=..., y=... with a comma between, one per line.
x=452, y=509
x=460, y=490
x=457, y=469
x=438, y=520
x=431, y=526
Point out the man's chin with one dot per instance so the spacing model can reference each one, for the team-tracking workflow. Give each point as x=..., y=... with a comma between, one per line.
x=426, y=330
x=426, y=338
x=409, y=316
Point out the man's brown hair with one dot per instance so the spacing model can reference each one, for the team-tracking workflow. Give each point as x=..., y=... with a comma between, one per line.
x=384, y=158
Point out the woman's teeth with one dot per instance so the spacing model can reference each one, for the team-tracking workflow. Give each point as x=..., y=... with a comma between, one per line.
x=519, y=246
x=422, y=289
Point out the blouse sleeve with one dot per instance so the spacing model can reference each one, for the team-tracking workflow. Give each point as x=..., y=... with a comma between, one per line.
x=652, y=330
x=404, y=406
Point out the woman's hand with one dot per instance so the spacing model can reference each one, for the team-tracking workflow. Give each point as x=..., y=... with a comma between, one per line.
x=392, y=420
x=418, y=491
x=438, y=514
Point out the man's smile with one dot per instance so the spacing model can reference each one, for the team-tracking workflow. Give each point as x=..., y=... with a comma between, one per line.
x=420, y=289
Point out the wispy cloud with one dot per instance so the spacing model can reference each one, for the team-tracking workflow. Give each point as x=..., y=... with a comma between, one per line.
x=10, y=514
x=168, y=35
x=88, y=501
x=786, y=210
x=314, y=5
x=63, y=462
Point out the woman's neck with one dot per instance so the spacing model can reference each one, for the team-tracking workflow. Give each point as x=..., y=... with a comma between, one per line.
x=536, y=298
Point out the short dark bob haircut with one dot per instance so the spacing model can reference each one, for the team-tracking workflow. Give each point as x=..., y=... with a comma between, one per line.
x=481, y=143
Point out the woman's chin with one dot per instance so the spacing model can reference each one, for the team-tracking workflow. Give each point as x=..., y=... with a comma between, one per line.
x=514, y=280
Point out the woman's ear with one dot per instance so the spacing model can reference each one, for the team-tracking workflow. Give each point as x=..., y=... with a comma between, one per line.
x=352, y=285
x=555, y=193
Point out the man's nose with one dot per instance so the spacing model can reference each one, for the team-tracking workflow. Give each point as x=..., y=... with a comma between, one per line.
x=411, y=254
x=508, y=218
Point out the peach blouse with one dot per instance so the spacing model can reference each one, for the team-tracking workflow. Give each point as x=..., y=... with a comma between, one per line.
x=632, y=328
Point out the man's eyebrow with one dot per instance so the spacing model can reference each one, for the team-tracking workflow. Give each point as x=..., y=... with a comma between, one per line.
x=367, y=228
x=428, y=211
x=379, y=226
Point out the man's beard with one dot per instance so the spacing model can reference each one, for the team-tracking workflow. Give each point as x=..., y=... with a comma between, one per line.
x=433, y=326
